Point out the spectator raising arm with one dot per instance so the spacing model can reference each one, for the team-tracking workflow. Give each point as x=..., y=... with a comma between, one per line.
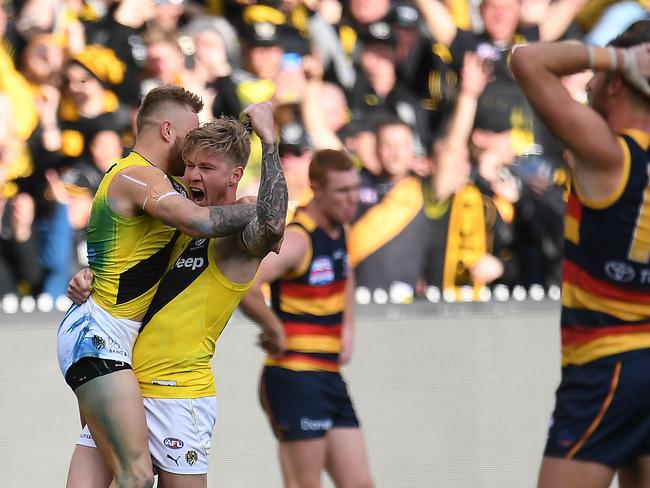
x=439, y=20
x=453, y=147
x=558, y=17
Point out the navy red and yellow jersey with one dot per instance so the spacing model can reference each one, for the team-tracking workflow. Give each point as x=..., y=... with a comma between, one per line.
x=606, y=275
x=310, y=301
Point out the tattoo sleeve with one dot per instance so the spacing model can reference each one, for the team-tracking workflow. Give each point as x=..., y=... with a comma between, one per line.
x=230, y=219
x=223, y=221
x=267, y=228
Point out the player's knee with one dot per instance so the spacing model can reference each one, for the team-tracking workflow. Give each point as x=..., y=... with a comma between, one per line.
x=137, y=475
x=365, y=482
x=142, y=480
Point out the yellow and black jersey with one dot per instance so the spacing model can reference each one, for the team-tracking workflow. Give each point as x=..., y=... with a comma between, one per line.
x=310, y=302
x=127, y=255
x=387, y=241
x=193, y=304
x=606, y=274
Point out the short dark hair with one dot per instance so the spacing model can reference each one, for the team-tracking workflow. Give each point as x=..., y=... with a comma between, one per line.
x=162, y=95
x=637, y=33
x=327, y=160
x=224, y=135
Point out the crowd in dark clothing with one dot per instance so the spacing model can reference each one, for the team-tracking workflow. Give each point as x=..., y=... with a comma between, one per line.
x=461, y=185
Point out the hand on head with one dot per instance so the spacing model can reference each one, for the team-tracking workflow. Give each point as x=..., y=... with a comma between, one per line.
x=636, y=67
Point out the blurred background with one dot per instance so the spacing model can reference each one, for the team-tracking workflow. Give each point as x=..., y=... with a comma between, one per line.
x=456, y=247
x=418, y=92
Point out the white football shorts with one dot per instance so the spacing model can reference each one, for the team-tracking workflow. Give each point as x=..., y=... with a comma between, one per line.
x=180, y=433
x=87, y=330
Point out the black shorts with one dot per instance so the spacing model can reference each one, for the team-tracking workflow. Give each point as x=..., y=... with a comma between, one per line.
x=89, y=368
x=305, y=404
x=602, y=411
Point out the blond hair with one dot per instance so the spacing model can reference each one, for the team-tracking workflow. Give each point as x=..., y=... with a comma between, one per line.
x=224, y=135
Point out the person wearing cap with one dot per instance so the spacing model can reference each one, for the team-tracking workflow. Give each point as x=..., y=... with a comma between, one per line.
x=296, y=150
x=263, y=52
x=356, y=19
x=378, y=90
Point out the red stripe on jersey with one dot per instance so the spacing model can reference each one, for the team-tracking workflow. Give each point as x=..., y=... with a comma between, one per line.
x=297, y=328
x=574, y=207
x=580, y=334
x=303, y=358
x=303, y=290
x=578, y=277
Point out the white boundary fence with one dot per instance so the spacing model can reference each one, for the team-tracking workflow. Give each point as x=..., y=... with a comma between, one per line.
x=449, y=395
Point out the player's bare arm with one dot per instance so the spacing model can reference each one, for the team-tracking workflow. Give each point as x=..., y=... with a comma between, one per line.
x=287, y=261
x=347, y=332
x=148, y=189
x=598, y=155
x=267, y=228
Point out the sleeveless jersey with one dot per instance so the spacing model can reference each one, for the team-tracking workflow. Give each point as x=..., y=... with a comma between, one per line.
x=127, y=255
x=606, y=275
x=194, y=301
x=311, y=301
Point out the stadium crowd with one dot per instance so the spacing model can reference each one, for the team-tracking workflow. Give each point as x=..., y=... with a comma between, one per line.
x=461, y=185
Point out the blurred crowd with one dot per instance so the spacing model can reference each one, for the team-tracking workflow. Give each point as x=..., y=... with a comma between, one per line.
x=461, y=185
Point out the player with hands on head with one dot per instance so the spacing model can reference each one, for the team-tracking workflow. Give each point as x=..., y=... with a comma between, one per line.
x=600, y=425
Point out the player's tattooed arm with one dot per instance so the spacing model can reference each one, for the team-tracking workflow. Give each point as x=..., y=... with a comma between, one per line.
x=267, y=228
x=229, y=219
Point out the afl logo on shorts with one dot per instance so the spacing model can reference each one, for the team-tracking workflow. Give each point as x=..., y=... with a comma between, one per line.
x=173, y=443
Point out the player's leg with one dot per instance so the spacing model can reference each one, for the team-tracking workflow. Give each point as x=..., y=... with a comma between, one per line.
x=297, y=412
x=112, y=407
x=637, y=475
x=567, y=473
x=180, y=437
x=172, y=480
x=600, y=422
x=88, y=469
x=302, y=462
x=347, y=461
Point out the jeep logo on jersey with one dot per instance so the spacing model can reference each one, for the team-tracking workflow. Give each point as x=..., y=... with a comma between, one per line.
x=619, y=271
x=193, y=263
x=173, y=443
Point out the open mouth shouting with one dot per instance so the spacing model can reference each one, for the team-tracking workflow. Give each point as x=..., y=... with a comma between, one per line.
x=197, y=195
